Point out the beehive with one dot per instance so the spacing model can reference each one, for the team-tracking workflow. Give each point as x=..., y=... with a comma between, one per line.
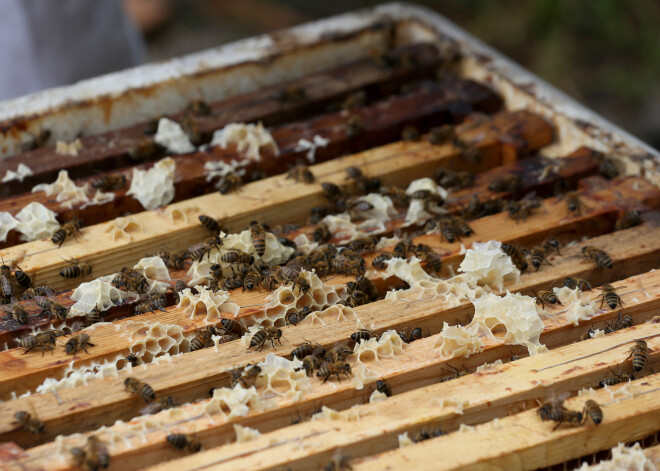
x=487, y=355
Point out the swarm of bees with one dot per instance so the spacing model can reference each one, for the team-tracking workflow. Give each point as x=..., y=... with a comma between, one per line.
x=326, y=363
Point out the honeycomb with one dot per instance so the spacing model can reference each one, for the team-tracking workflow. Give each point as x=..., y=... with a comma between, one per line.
x=377, y=396
x=623, y=457
x=68, y=148
x=417, y=213
x=489, y=367
x=65, y=190
x=233, y=402
x=283, y=377
x=173, y=214
x=518, y=314
x=285, y=300
x=404, y=440
x=456, y=404
x=151, y=340
x=211, y=303
x=36, y=222
x=99, y=198
x=275, y=254
x=154, y=187
x=303, y=244
x=154, y=270
x=218, y=169
x=122, y=227
x=375, y=218
x=171, y=135
x=249, y=139
x=341, y=226
x=326, y=414
x=575, y=309
x=311, y=146
x=486, y=265
x=80, y=376
x=19, y=175
x=7, y=223
x=457, y=341
x=245, y=434
x=98, y=293
x=389, y=345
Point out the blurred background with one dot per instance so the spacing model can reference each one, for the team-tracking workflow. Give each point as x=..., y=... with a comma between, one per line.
x=604, y=53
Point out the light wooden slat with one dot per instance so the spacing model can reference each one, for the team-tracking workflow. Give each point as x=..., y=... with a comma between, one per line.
x=576, y=165
x=416, y=369
x=523, y=442
x=25, y=373
x=204, y=368
x=653, y=454
x=274, y=199
x=513, y=387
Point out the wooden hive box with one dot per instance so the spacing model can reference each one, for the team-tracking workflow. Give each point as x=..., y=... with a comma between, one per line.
x=420, y=259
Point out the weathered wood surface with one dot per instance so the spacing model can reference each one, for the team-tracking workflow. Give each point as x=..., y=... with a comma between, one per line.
x=277, y=200
x=509, y=389
x=522, y=442
x=420, y=367
x=108, y=151
x=578, y=164
x=205, y=370
x=383, y=121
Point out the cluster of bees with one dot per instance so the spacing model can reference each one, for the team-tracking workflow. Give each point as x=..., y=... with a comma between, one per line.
x=554, y=410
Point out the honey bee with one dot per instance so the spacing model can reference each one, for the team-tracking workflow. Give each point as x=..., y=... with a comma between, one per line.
x=29, y=423
x=508, y=182
x=201, y=340
x=258, y=235
x=448, y=230
x=573, y=202
x=356, y=298
x=310, y=363
x=307, y=349
x=620, y=377
x=331, y=191
x=572, y=283
x=410, y=134
x=347, y=267
x=199, y=108
x=442, y=134
x=232, y=282
x=516, y=255
x=6, y=281
x=17, y=312
x=130, y=280
x=537, y=257
x=237, y=257
x=191, y=127
x=77, y=342
x=197, y=252
x=608, y=166
x=354, y=126
x=245, y=377
x=110, y=182
x=336, y=368
x=173, y=259
x=364, y=284
x=620, y=323
x=452, y=179
x=32, y=293
x=628, y=219
x=181, y=441
x=410, y=335
x=267, y=333
x=363, y=334
x=640, y=355
x=93, y=316
x=212, y=224
x=76, y=269
x=301, y=173
x=133, y=359
x=551, y=243
x=383, y=387
x=379, y=261
x=97, y=454
x=422, y=435
x=523, y=208
x=339, y=352
x=156, y=302
x=138, y=388
x=593, y=411
x=462, y=227
x=399, y=197
x=597, y=255
x=36, y=141
x=610, y=297
x=290, y=94
x=52, y=309
x=553, y=409
x=233, y=327
x=354, y=100
x=339, y=462
x=321, y=233
x=68, y=229
x=228, y=183
x=544, y=297
x=364, y=244
x=43, y=340
x=433, y=262
x=143, y=150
